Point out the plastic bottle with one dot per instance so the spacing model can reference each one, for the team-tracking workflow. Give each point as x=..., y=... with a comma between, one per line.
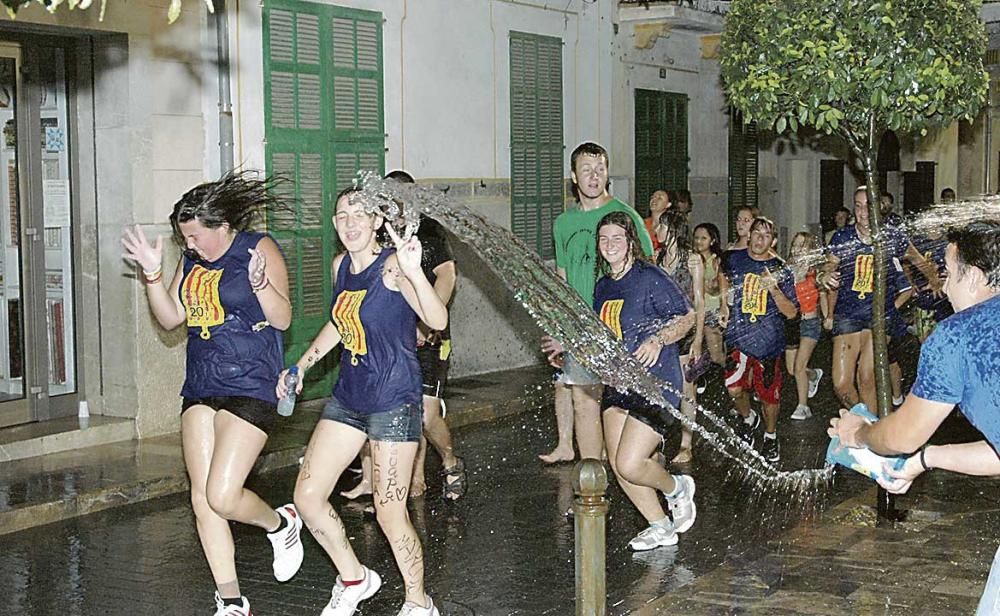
x=287, y=404
x=862, y=459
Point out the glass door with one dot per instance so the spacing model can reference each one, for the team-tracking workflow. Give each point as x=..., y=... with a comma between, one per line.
x=37, y=333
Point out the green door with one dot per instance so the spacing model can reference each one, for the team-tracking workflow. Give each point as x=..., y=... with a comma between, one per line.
x=661, y=144
x=323, y=122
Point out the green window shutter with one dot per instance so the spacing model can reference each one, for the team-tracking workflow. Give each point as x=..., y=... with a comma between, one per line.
x=743, y=168
x=316, y=146
x=536, y=139
x=661, y=144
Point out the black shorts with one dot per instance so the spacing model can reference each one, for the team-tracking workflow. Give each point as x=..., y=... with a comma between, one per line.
x=792, y=333
x=656, y=417
x=257, y=413
x=434, y=369
x=894, y=348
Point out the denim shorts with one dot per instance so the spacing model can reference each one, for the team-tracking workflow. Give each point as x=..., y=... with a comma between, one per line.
x=843, y=326
x=573, y=373
x=402, y=424
x=811, y=328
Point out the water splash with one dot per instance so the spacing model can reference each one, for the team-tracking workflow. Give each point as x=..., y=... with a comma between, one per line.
x=561, y=312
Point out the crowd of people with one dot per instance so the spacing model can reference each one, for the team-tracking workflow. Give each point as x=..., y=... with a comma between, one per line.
x=685, y=306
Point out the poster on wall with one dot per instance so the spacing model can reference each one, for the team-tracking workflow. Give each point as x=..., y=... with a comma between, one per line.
x=12, y=204
x=55, y=196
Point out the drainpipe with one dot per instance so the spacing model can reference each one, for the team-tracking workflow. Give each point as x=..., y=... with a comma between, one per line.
x=987, y=155
x=225, y=98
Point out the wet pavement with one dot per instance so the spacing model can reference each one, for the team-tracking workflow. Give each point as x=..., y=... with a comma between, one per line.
x=506, y=547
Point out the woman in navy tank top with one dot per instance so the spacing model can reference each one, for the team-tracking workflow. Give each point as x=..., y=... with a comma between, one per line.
x=231, y=290
x=379, y=296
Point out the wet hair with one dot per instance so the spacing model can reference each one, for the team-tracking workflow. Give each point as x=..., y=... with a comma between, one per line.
x=685, y=196
x=812, y=242
x=400, y=176
x=677, y=237
x=947, y=193
x=715, y=238
x=587, y=148
x=761, y=221
x=238, y=198
x=978, y=245
x=624, y=221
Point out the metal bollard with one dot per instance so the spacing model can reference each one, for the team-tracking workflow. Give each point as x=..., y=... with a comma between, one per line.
x=590, y=482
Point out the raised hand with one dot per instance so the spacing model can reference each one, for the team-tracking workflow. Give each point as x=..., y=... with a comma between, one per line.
x=648, y=352
x=138, y=249
x=408, y=253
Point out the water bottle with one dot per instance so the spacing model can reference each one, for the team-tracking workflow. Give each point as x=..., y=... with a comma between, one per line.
x=287, y=404
x=862, y=459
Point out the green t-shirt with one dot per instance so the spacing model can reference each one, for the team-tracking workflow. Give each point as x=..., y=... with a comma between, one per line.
x=575, y=234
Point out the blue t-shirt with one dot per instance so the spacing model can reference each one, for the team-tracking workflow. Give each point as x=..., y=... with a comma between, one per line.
x=933, y=251
x=857, y=269
x=638, y=305
x=898, y=283
x=960, y=364
x=379, y=370
x=756, y=325
x=232, y=350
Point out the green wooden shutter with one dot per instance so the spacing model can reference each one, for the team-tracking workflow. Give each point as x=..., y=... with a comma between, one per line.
x=661, y=144
x=315, y=55
x=743, y=155
x=536, y=139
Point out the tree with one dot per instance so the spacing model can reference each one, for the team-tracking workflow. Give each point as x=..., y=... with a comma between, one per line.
x=173, y=11
x=854, y=69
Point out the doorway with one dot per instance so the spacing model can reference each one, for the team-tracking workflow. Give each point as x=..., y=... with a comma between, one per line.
x=38, y=367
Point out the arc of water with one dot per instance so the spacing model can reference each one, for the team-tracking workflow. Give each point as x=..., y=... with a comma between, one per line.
x=562, y=313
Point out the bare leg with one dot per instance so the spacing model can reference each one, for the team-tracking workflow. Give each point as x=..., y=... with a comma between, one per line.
x=237, y=445
x=801, y=385
x=802, y=370
x=392, y=470
x=716, y=350
x=741, y=400
x=644, y=498
x=846, y=349
x=866, y=371
x=365, y=484
x=896, y=380
x=439, y=436
x=587, y=420
x=564, y=424
x=332, y=447
x=418, y=483
x=198, y=437
x=690, y=392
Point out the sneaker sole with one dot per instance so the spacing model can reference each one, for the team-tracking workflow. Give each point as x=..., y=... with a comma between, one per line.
x=667, y=544
x=801, y=417
x=694, y=508
x=376, y=585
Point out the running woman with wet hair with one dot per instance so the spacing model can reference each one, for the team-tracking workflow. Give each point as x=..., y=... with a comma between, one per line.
x=379, y=296
x=231, y=290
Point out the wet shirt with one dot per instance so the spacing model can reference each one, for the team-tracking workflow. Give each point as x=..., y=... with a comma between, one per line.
x=898, y=283
x=638, y=305
x=933, y=251
x=379, y=370
x=231, y=348
x=756, y=325
x=436, y=251
x=960, y=365
x=575, y=234
x=857, y=270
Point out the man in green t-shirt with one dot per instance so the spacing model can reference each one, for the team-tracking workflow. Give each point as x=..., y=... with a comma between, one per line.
x=577, y=391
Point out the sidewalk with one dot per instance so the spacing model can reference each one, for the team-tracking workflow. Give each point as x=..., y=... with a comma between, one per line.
x=49, y=488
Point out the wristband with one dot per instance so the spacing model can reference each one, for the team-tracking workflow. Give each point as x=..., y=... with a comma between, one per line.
x=923, y=462
x=157, y=273
x=260, y=287
x=155, y=279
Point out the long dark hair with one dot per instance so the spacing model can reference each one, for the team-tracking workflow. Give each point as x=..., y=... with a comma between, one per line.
x=238, y=199
x=624, y=221
x=715, y=238
x=676, y=223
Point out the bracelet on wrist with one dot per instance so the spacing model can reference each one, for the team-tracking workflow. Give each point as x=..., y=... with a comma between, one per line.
x=260, y=287
x=155, y=274
x=155, y=279
x=923, y=461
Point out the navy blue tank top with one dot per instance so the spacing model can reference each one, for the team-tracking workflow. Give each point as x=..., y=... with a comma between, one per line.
x=231, y=349
x=379, y=370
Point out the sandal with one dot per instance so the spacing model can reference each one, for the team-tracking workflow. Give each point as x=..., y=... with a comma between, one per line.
x=454, y=489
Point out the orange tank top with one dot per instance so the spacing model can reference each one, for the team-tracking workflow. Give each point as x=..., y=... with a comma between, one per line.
x=808, y=293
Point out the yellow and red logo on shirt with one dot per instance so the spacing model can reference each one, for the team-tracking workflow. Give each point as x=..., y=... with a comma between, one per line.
x=754, y=297
x=347, y=318
x=611, y=315
x=200, y=296
x=864, y=275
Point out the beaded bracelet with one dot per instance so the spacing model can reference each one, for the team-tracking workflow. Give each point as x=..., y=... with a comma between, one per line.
x=260, y=287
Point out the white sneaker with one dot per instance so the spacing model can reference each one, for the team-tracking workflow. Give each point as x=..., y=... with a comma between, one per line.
x=814, y=382
x=682, y=507
x=287, y=544
x=655, y=536
x=344, y=600
x=412, y=609
x=802, y=412
x=221, y=609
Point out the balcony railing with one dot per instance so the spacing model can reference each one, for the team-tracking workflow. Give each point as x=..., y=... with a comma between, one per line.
x=719, y=7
